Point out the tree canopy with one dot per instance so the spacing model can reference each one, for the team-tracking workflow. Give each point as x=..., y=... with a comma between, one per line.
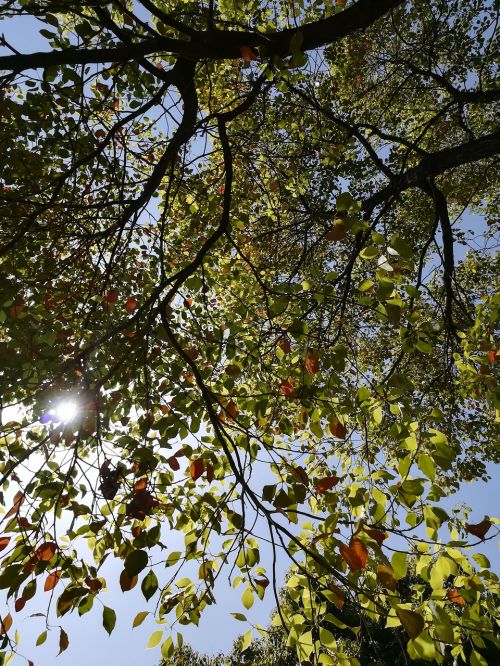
x=368, y=640
x=248, y=297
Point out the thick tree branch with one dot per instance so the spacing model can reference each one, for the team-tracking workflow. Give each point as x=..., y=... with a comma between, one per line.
x=436, y=164
x=215, y=44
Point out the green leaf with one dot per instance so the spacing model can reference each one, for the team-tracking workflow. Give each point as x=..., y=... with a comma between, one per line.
x=399, y=564
x=247, y=598
x=441, y=623
x=139, y=618
x=424, y=647
x=154, y=639
x=135, y=562
x=477, y=660
x=426, y=465
x=41, y=638
x=149, y=585
x=167, y=648
x=108, y=619
x=246, y=640
x=369, y=252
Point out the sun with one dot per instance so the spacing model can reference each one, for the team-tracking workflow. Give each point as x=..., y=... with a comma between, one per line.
x=65, y=411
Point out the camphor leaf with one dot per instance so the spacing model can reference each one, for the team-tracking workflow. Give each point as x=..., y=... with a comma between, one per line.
x=139, y=618
x=63, y=641
x=385, y=576
x=52, y=580
x=355, y=554
x=412, y=622
x=247, y=598
x=154, y=639
x=135, y=562
x=149, y=585
x=196, y=468
x=108, y=619
x=479, y=529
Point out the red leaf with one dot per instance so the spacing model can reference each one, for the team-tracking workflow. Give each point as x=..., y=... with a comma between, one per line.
x=248, y=53
x=492, y=356
x=338, y=429
x=4, y=542
x=131, y=304
x=174, y=463
x=377, y=535
x=355, y=554
x=325, y=484
x=300, y=474
x=312, y=362
x=112, y=296
x=46, y=551
x=19, y=605
x=141, y=505
x=196, y=469
x=455, y=597
x=140, y=485
x=6, y=624
x=479, y=529
x=285, y=345
x=286, y=388
x=52, y=580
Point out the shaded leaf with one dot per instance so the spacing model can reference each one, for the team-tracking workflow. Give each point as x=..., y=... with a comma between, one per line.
x=412, y=622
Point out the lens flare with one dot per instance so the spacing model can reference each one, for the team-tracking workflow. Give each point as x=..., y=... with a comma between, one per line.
x=65, y=411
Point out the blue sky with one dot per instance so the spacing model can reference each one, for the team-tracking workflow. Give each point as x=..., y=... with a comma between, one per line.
x=217, y=630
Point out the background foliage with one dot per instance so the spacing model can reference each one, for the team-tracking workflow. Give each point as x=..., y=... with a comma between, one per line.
x=253, y=244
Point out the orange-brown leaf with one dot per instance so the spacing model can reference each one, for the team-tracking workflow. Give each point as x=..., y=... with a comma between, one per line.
x=63, y=641
x=323, y=485
x=19, y=604
x=4, y=542
x=174, y=463
x=285, y=345
x=141, y=484
x=338, y=429
x=355, y=554
x=385, y=576
x=16, y=504
x=248, y=53
x=455, y=597
x=231, y=409
x=127, y=582
x=52, y=580
x=196, y=468
x=262, y=582
x=479, y=529
x=6, y=623
x=312, y=362
x=377, y=535
x=286, y=388
x=336, y=233
x=339, y=594
x=46, y=551
x=131, y=304
x=300, y=474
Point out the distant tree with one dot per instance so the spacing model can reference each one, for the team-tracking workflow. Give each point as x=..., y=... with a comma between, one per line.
x=357, y=640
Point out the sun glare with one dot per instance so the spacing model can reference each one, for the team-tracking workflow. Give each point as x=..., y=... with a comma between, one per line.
x=66, y=411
